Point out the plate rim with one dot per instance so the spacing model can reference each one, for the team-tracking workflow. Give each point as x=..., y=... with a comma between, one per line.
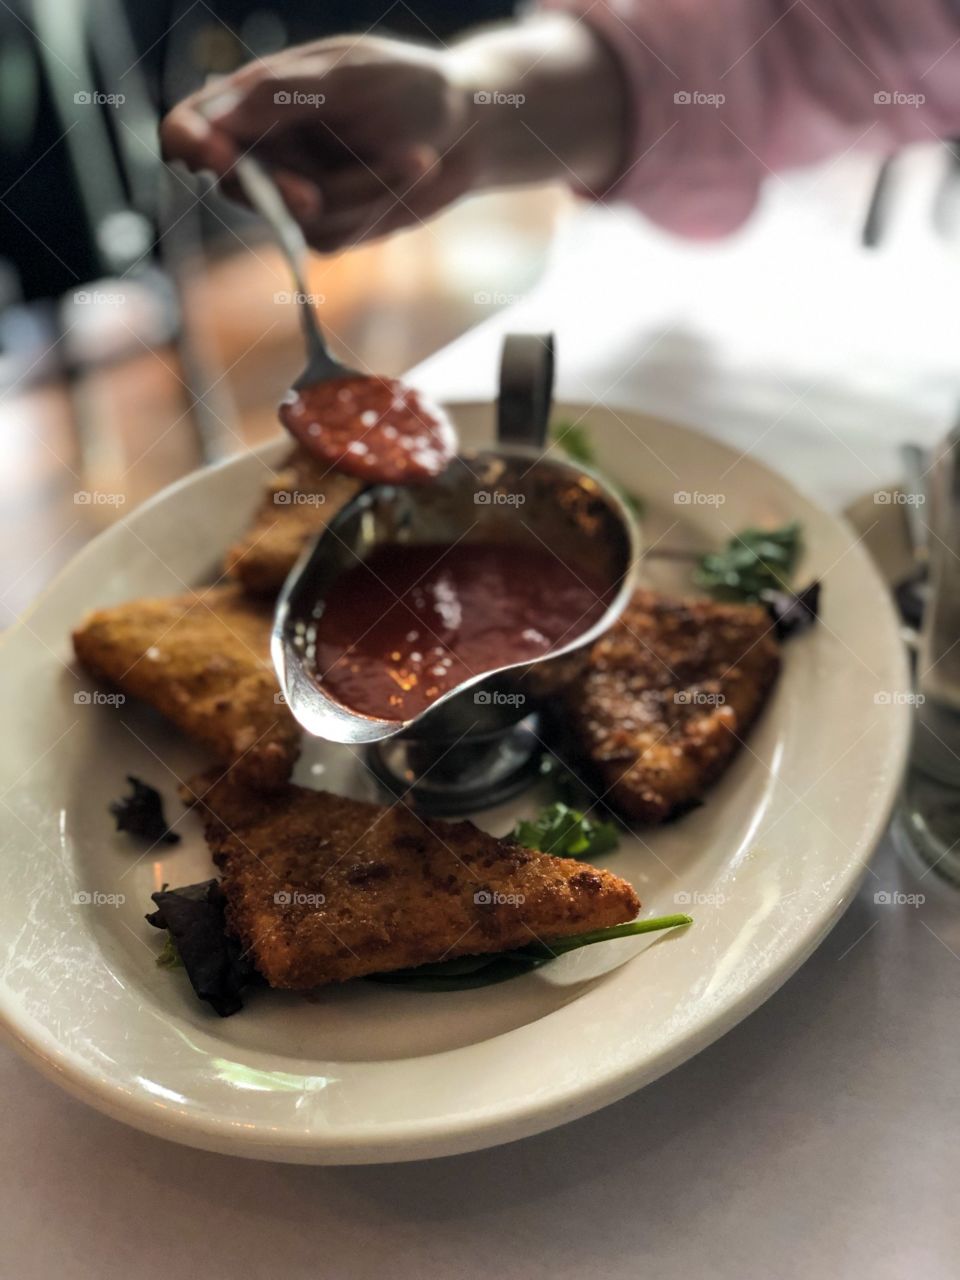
x=416, y=1140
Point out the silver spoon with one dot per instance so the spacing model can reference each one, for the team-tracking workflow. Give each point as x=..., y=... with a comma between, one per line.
x=409, y=439
x=264, y=195
x=911, y=592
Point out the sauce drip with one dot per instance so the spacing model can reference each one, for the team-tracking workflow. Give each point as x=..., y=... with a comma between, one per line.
x=412, y=622
x=376, y=428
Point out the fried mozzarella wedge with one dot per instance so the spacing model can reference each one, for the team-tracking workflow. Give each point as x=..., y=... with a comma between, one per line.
x=298, y=504
x=203, y=660
x=322, y=889
x=667, y=697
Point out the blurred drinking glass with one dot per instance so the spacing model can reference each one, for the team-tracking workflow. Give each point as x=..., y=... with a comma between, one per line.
x=928, y=823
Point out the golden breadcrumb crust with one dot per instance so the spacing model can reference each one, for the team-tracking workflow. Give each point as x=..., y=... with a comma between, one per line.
x=297, y=505
x=668, y=695
x=322, y=889
x=202, y=659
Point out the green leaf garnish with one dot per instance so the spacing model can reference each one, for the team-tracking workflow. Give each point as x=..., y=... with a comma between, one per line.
x=753, y=561
x=549, y=950
x=485, y=971
x=469, y=972
x=574, y=440
x=168, y=956
x=567, y=833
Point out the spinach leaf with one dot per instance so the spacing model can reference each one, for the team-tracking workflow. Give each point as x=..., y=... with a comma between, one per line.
x=469, y=972
x=216, y=964
x=141, y=813
x=792, y=613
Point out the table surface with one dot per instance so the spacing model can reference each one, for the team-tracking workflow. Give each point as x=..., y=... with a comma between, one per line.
x=814, y=1139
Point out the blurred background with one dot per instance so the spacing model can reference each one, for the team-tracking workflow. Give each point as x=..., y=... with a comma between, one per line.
x=146, y=325
x=143, y=324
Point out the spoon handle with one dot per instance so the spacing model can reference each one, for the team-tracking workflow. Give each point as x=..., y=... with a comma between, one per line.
x=264, y=195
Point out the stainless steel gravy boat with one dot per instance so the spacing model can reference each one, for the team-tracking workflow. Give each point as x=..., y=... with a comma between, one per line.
x=478, y=742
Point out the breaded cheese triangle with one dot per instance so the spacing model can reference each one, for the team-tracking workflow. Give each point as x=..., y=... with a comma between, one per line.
x=297, y=505
x=667, y=698
x=322, y=889
x=202, y=659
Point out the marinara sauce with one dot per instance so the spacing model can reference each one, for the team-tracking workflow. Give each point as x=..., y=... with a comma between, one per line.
x=412, y=622
x=378, y=429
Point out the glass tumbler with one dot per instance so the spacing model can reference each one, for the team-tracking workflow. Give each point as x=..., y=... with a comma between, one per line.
x=927, y=825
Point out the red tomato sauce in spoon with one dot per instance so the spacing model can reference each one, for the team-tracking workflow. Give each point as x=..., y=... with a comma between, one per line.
x=377, y=429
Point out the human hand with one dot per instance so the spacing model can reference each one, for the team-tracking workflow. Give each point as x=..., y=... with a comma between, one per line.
x=363, y=135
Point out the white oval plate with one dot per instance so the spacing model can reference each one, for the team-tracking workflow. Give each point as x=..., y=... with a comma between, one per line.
x=367, y=1073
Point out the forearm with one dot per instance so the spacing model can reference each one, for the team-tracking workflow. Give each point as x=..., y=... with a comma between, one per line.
x=722, y=95
x=545, y=99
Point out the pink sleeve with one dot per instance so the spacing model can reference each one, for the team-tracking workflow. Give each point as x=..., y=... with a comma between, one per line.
x=726, y=92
